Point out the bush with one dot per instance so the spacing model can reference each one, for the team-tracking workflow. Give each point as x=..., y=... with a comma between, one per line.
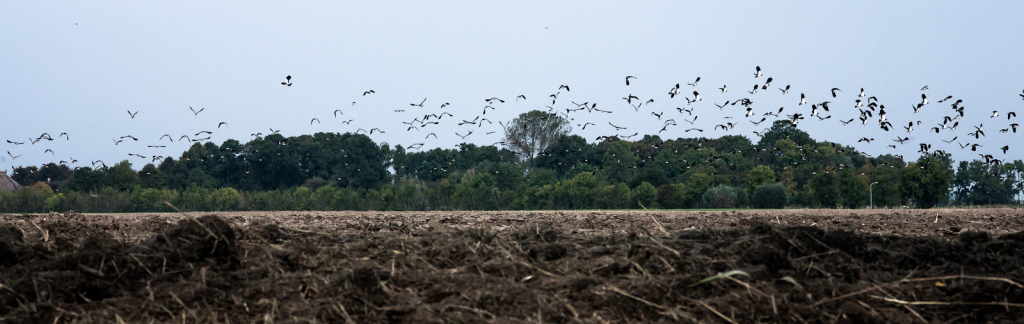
x=53, y=203
x=721, y=196
x=770, y=196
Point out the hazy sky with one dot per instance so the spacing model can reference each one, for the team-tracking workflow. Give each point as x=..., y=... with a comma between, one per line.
x=79, y=67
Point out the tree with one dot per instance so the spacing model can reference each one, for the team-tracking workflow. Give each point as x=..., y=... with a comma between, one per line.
x=86, y=179
x=151, y=177
x=122, y=177
x=928, y=180
x=886, y=174
x=783, y=129
x=760, y=175
x=618, y=162
x=567, y=154
x=533, y=132
x=825, y=189
x=671, y=196
x=854, y=189
x=978, y=183
x=645, y=194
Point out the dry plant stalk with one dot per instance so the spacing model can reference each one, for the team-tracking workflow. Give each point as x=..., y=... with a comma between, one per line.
x=702, y=303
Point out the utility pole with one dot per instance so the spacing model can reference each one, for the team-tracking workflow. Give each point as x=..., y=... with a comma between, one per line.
x=871, y=194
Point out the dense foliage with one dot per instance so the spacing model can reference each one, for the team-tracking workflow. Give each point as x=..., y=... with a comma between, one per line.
x=327, y=171
x=770, y=196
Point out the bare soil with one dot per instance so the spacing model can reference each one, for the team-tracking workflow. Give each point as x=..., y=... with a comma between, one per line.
x=786, y=266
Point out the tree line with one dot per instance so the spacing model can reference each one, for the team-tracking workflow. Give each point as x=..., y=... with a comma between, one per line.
x=330, y=171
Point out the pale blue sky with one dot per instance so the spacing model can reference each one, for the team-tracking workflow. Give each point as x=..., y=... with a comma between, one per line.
x=229, y=58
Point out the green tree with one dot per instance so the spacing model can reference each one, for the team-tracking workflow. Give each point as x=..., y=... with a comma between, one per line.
x=928, y=180
x=854, y=190
x=575, y=193
x=760, y=175
x=122, y=177
x=645, y=194
x=151, y=177
x=824, y=189
x=619, y=162
x=886, y=191
x=670, y=196
x=534, y=132
x=86, y=179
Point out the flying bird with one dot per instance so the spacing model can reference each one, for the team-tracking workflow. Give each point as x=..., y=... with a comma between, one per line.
x=12, y=155
x=222, y=123
x=834, y=92
x=694, y=82
x=795, y=118
x=336, y=111
x=724, y=88
x=368, y=92
x=758, y=73
x=133, y=115
x=287, y=81
x=560, y=88
x=195, y=112
x=784, y=90
x=419, y=104
x=671, y=93
x=627, y=80
x=314, y=119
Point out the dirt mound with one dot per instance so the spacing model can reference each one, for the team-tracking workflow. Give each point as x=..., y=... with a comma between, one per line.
x=204, y=270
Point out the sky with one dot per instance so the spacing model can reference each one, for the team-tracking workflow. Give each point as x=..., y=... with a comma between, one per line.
x=82, y=67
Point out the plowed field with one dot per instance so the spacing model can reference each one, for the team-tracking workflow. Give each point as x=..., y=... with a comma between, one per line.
x=788, y=266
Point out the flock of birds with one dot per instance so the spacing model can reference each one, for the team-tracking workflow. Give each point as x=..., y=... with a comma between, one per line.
x=868, y=110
